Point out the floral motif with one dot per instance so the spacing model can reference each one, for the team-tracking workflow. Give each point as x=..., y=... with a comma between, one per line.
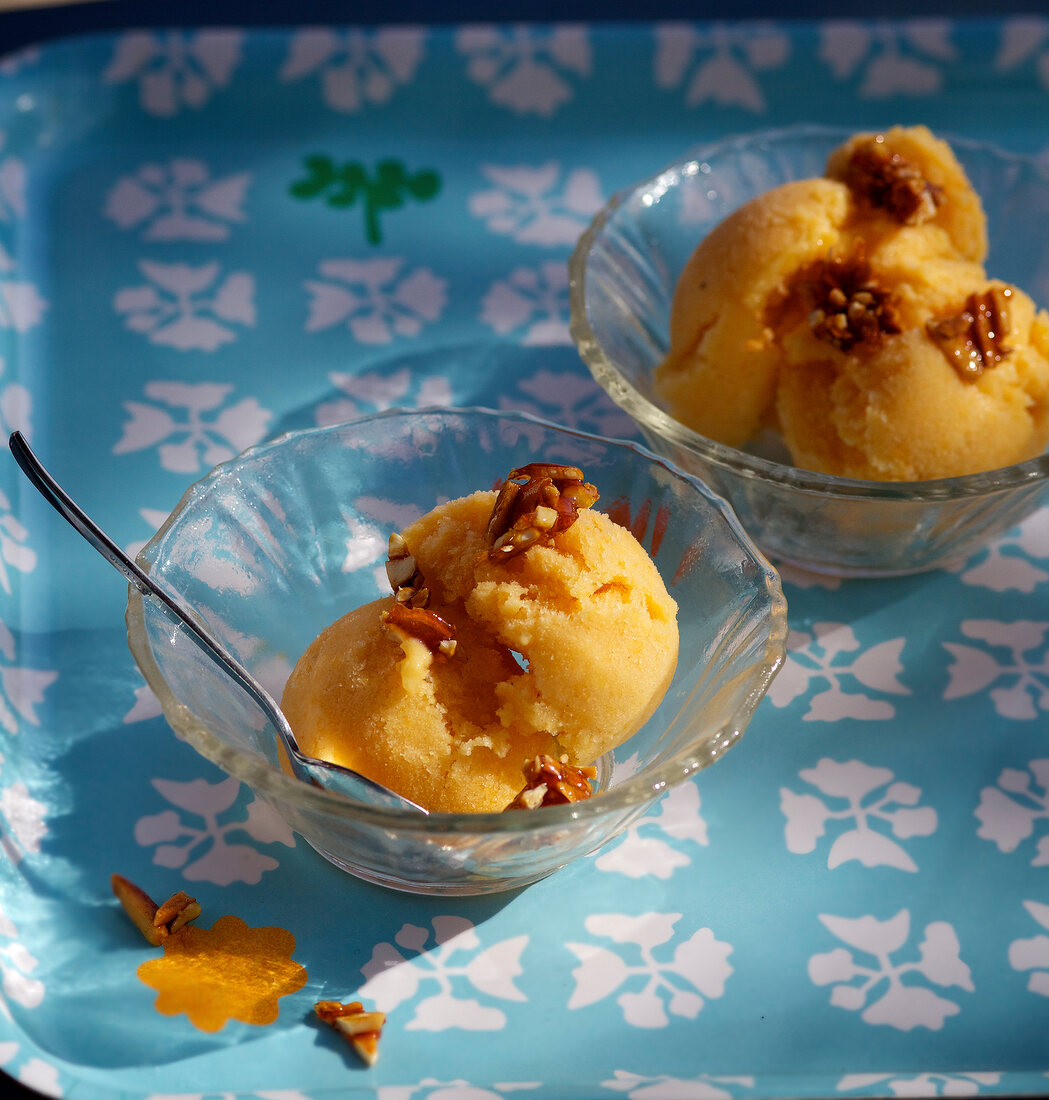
x=430, y=1088
x=191, y=308
x=198, y=438
x=21, y=306
x=996, y=568
x=1024, y=39
x=705, y=1086
x=853, y=782
x=804, y=578
x=542, y=206
x=34, y=1073
x=1033, y=953
x=569, y=398
x=393, y=979
x=892, y=1001
x=15, y=407
x=384, y=187
x=728, y=53
x=373, y=300
x=226, y=972
x=12, y=538
x=367, y=545
x=1027, y=681
x=146, y=706
x=815, y=657
x=698, y=968
x=1007, y=813
x=12, y=63
x=532, y=298
x=221, y=861
x=373, y=391
x=24, y=817
x=175, y=69
x=642, y=851
x=16, y=968
x=900, y=58
x=12, y=185
x=178, y=201
x=22, y=688
x=356, y=67
x=924, y=1084
x=522, y=66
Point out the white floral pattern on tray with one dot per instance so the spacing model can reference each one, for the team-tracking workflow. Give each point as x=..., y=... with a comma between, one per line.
x=240, y=232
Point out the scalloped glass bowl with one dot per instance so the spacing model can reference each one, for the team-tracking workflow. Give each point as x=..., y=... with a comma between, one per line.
x=623, y=273
x=272, y=546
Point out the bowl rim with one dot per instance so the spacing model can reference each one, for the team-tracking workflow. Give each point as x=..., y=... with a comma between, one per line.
x=269, y=782
x=652, y=418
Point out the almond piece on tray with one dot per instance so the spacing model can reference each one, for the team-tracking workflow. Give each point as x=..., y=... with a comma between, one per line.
x=361, y=1029
x=155, y=922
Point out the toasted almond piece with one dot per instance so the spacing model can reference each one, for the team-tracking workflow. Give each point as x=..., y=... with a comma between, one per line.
x=362, y=1029
x=396, y=547
x=399, y=571
x=140, y=907
x=545, y=517
x=167, y=911
x=191, y=912
x=361, y=1023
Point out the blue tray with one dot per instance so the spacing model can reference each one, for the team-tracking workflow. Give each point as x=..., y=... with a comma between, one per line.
x=196, y=253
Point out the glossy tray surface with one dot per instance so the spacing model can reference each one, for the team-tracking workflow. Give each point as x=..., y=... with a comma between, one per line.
x=209, y=237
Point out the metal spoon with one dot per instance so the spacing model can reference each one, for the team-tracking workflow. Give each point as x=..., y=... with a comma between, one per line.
x=320, y=773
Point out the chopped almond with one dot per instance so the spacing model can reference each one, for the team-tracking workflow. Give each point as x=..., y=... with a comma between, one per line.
x=155, y=922
x=362, y=1029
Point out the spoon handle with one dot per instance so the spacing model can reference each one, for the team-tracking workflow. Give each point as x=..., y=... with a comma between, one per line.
x=34, y=469
x=59, y=499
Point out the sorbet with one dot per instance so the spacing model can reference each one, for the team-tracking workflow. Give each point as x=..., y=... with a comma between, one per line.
x=515, y=633
x=853, y=315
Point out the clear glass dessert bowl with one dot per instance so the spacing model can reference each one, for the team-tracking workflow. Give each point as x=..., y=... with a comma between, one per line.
x=623, y=274
x=274, y=545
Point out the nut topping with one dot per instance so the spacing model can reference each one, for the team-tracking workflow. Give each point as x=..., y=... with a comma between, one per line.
x=402, y=571
x=176, y=912
x=409, y=616
x=362, y=1029
x=974, y=340
x=437, y=634
x=885, y=180
x=155, y=922
x=550, y=782
x=535, y=503
x=846, y=306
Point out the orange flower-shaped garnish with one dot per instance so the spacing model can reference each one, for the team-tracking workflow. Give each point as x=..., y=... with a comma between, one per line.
x=226, y=972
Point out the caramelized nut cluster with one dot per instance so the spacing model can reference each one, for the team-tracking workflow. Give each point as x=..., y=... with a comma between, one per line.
x=536, y=502
x=550, y=782
x=845, y=304
x=155, y=922
x=889, y=182
x=361, y=1029
x=410, y=617
x=974, y=340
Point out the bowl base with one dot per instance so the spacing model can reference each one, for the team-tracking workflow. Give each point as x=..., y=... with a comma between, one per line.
x=465, y=886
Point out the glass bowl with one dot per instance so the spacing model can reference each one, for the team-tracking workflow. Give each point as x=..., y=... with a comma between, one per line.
x=272, y=546
x=623, y=273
